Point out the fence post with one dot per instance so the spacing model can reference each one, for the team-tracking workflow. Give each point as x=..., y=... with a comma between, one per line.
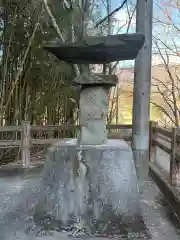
x=173, y=157
x=25, y=143
x=50, y=132
x=150, y=139
x=152, y=136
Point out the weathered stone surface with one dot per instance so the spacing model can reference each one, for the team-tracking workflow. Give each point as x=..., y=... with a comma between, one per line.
x=96, y=50
x=156, y=214
x=89, y=79
x=108, y=189
x=93, y=114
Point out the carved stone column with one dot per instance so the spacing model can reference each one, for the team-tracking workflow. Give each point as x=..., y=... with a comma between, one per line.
x=94, y=107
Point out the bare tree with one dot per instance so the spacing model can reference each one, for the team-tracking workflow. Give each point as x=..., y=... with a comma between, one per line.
x=168, y=90
x=168, y=50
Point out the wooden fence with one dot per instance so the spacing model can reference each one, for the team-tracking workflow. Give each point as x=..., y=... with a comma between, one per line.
x=167, y=140
x=28, y=136
x=41, y=136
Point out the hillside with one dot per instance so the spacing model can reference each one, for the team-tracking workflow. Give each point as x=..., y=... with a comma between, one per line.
x=159, y=74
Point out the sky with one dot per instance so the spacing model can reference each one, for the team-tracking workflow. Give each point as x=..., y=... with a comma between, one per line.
x=164, y=32
x=167, y=32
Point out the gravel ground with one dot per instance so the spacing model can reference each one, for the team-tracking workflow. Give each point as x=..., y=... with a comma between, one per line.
x=157, y=216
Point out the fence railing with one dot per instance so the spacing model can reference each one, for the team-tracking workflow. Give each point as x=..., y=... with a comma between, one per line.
x=28, y=136
x=167, y=140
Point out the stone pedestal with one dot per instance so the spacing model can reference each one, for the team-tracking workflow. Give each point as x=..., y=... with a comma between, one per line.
x=108, y=190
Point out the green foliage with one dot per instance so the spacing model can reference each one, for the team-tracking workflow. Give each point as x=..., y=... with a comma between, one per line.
x=44, y=87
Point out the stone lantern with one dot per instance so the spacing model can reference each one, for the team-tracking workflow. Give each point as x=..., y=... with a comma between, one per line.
x=95, y=87
x=100, y=184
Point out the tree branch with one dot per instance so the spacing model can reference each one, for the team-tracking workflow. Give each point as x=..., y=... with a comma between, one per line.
x=59, y=33
x=111, y=13
x=164, y=111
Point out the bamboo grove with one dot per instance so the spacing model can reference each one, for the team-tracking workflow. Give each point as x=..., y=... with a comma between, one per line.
x=34, y=85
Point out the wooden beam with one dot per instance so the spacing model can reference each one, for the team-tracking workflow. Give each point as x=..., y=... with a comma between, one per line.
x=25, y=143
x=161, y=146
x=10, y=128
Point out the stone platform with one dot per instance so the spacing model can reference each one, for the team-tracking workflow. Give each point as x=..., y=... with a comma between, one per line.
x=106, y=191
x=156, y=214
